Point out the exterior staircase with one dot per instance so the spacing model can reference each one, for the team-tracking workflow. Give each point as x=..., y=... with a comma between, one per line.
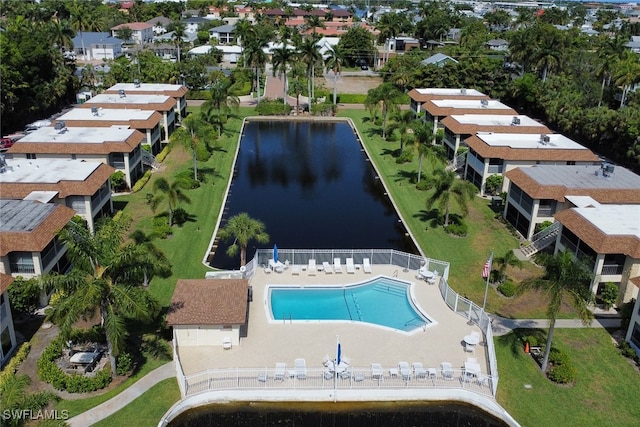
x=541, y=240
x=149, y=160
x=457, y=163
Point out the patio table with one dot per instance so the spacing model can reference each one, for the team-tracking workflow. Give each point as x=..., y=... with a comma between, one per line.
x=84, y=358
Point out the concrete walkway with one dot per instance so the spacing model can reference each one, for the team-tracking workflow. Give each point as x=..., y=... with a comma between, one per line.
x=502, y=326
x=127, y=396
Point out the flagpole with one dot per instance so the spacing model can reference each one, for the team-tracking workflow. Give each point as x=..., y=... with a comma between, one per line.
x=335, y=369
x=486, y=289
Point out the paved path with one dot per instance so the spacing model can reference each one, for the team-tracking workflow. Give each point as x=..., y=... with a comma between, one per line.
x=502, y=326
x=127, y=396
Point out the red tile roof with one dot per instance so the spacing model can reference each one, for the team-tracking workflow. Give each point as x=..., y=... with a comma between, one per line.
x=209, y=302
x=5, y=282
x=47, y=147
x=508, y=153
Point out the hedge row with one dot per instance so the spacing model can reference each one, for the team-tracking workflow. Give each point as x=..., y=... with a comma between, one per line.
x=12, y=367
x=163, y=154
x=141, y=182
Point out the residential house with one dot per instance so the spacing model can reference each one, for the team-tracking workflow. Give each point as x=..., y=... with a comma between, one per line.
x=230, y=53
x=29, y=245
x=141, y=32
x=535, y=194
x=163, y=104
x=118, y=147
x=7, y=331
x=178, y=92
x=192, y=24
x=159, y=24
x=437, y=109
x=496, y=153
x=634, y=44
x=422, y=95
x=90, y=46
x=497, y=44
x=82, y=186
x=146, y=121
x=633, y=332
x=457, y=128
x=438, y=60
x=396, y=46
x=206, y=312
x=226, y=34
x=607, y=238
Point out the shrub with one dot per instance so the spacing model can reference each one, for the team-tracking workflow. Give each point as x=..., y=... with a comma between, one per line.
x=627, y=351
x=156, y=347
x=457, y=229
x=146, y=147
x=180, y=216
x=609, y=294
x=405, y=157
x=186, y=179
x=24, y=295
x=240, y=88
x=202, y=153
x=163, y=153
x=118, y=180
x=124, y=364
x=625, y=314
x=141, y=182
x=493, y=184
x=558, y=357
x=270, y=107
x=351, y=98
x=423, y=185
x=12, y=367
x=161, y=228
x=562, y=374
x=541, y=226
x=508, y=289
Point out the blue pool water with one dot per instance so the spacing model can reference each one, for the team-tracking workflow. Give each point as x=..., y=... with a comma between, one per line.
x=381, y=301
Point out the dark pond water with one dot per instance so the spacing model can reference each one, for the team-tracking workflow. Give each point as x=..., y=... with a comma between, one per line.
x=313, y=187
x=360, y=414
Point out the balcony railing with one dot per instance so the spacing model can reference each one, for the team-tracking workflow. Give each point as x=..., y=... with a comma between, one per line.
x=23, y=268
x=611, y=270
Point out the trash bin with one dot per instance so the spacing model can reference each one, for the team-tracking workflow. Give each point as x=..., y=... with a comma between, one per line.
x=496, y=201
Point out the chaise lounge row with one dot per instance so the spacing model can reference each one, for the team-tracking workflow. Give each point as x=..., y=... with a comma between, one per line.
x=328, y=268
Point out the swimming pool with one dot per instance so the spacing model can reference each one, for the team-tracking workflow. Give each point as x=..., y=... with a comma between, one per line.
x=381, y=301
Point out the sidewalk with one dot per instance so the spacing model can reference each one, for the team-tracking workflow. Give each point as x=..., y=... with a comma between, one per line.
x=127, y=396
x=502, y=326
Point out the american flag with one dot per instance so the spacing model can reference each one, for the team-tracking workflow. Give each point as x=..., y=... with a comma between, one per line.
x=486, y=269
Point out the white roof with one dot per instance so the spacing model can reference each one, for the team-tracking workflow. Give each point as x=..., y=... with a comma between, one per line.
x=41, y=196
x=527, y=140
x=107, y=115
x=145, y=87
x=491, y=104
x=493, y=120
x=620, y=220
x=82, y=135
x=46, y=171
x=106, y=98
x=449, y=92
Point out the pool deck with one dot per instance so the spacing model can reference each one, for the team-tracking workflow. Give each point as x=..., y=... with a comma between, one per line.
x=269, y=342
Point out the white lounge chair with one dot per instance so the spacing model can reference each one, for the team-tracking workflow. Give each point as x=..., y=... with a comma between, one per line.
x=226, y=343
x=328, y=269
x=419, y=371
x=447, y=370
x=281, y=371
x=311, y=268
x=337, y=266
x=405, y=370
x=376, y=371
x=301, y=369
x=295, y=269
x=351, y=268
x=366, y=265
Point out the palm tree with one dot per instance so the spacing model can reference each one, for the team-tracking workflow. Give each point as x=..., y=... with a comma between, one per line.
x=447, y=186
x=502, y=262
x=172, y=192
x=424, y=144
x=82, y=20
x=296, y=87
x=564, y=276
x=281, y=58
x=221, y=102
x=254, y=43
x=15, y=397
x=61, y=34
x=178, y=35
x=334, y=62
x=404, y=120
x=309, y=54
x=192, y=132
x=626, y=74
x=106, y=277
x=242, y=229
x=388, y=97
x=313, y=22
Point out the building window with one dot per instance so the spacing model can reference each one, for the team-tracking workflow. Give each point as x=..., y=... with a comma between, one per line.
x=518, y=220
x=74, y=156
x=31, y=156
x=635, y=335
x=571, y=163
x=21, y=262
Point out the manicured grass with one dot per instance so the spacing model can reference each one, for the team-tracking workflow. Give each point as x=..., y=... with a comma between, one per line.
x=147, y=409
x=605, y=393
x=78, y=406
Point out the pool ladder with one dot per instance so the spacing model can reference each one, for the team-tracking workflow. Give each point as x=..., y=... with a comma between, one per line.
x=284, y=318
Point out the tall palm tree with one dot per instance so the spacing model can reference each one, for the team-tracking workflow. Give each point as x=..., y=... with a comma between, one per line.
x=192, y=132
x=172, y=192
x=255, y=41
x=447, y=188
x=242, y=229
x=504, y=261
x=82, y=20
x=425, y=145
x=221, y=102
x=403, y=121
x=388, y=97
x=334, y=63
x=178, y=35
x=313, y=22
x=626, y=74
x=309, y=53
x=106, y=278
x=564, y=276
x=14, y=396
x=61, y=34
x=296, y=87
x=281, y=58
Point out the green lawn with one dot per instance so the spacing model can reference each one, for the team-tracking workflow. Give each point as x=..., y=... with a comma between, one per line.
x=148, y=408
x=606, y=391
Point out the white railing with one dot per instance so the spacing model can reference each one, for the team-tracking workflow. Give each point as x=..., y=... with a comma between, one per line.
x=468, y=309
x=182, y=380
x=376, y=256
x=321, y=379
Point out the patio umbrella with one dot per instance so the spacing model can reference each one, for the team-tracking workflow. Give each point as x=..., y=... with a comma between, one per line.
x=275, y=253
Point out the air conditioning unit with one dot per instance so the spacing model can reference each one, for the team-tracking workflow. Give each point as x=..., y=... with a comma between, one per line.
x=484, y=103
x=94, y=111
x=463, y=91
x=122, y=93
x=136, y=83
x=515, y=121
x=60, y=125
x=609, y=169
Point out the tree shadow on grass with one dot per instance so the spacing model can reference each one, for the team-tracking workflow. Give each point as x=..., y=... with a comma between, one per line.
x=391, y=152
x=119, y=205
x=431, y=217
x=404, y=175
x=517, y=338
x=208, y=174
x=371, y=132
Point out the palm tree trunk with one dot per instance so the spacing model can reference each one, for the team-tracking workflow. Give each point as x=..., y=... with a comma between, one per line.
x=313, y=76
x=446, y=216
x=195, y=157
x=112, y=357
x=258, y=83
x=243, y=256
x=335, y=87
x=601, y=92
x=547, y=349
x=419, y=167
x=384, y=122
